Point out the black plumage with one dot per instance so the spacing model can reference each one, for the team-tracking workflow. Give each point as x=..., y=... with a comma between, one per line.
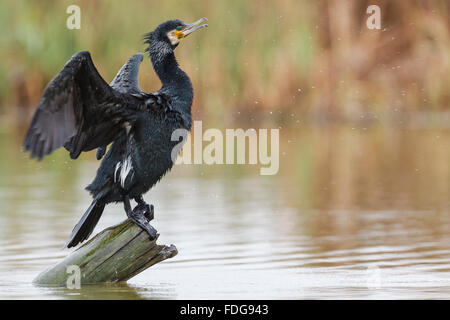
x=81, y=112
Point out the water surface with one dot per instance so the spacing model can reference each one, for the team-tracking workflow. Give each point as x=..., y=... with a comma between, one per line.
x=352, y=213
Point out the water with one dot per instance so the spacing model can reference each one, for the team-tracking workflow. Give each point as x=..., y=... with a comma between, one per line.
x=352, y=213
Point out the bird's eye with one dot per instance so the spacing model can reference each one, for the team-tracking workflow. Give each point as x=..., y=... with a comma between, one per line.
x=179, y=28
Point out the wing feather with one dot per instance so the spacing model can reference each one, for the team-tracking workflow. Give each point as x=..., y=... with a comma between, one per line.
x=80, y=111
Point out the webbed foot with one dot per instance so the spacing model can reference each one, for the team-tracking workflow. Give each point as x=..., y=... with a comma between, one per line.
x=149, y=210
x=141, y=216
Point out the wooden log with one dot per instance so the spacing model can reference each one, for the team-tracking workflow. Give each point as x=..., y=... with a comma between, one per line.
x=115, y=254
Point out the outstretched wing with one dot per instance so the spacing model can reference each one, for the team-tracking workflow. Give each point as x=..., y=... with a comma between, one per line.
x=79, y=111
x=126, y=80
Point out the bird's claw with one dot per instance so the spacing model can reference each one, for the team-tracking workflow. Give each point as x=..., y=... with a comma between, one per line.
x=141, y=215
x=147, y=210
x=150, y=214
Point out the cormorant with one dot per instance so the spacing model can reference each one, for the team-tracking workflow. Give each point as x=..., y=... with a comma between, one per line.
x=80, y=111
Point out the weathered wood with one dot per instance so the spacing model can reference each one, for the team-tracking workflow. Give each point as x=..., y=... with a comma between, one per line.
x=115, y=254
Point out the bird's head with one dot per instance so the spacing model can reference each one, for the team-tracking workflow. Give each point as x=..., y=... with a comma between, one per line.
x=171, y=32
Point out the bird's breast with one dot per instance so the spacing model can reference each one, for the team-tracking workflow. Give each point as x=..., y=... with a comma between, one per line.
x=152, y=148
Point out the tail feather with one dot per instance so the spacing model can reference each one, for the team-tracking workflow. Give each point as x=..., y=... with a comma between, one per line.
x=86, y=225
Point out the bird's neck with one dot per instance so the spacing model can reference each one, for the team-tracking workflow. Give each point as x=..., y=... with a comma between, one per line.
x=175, y=82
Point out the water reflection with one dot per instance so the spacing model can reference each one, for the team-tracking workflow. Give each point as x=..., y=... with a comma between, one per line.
x=117, y=291
x=345, y=199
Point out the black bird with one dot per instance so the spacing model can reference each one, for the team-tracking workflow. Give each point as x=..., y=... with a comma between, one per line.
x=80, y=111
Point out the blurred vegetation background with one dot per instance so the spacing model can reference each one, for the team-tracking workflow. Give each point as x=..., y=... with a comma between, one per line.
x=316, y=58
x=364, y=119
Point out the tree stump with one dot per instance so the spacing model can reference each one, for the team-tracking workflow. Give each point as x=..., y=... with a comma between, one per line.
x=115, y=254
